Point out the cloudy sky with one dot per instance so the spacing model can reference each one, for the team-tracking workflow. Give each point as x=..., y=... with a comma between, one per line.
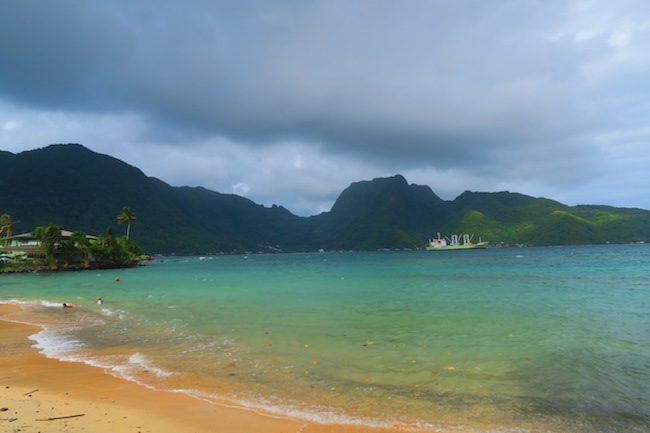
x=288, y=102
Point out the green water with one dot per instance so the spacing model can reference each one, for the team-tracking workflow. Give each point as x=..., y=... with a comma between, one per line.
x=537, y=339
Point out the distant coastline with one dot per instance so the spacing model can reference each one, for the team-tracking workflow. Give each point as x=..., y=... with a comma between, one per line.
x=382, y=213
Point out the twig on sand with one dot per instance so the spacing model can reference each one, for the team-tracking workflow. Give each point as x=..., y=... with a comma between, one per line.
x=54, y=418
x=27, y=393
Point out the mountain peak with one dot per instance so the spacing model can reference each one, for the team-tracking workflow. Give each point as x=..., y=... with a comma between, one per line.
x=364, y=195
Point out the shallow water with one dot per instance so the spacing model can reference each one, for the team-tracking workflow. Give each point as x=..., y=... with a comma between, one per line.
x=536, y=339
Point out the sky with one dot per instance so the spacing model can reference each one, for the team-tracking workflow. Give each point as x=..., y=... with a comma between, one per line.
x=288, y=102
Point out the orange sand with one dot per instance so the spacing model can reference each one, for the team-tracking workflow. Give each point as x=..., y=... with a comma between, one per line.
x=109, y=404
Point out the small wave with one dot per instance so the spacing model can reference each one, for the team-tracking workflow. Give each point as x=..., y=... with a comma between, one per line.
x=113, y=313
x=56, y=345
x=14, y=302
x=130, y=369
x=61, y=346
x=321, y=415
x=43, y=303
x=51, y=304
x=141, y=361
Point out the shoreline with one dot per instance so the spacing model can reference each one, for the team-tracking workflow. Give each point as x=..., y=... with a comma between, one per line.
x=24, y=269
x=111, y=404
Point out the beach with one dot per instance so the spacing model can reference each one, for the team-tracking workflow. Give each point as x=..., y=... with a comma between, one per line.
x=45, y=395
x=535, y=341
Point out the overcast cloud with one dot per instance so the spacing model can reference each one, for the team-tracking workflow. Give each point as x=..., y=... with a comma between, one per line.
x=288, y=102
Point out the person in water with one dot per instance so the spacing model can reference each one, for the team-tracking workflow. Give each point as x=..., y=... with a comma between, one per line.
x=66, y=305
x=99, y=300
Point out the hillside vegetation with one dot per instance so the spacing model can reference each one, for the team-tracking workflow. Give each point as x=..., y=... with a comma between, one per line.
x=80, y=190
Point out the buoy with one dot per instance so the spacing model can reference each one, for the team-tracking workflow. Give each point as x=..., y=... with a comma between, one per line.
x=117, y=279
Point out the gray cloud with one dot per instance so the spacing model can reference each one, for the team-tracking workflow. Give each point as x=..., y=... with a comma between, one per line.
x=546, y=96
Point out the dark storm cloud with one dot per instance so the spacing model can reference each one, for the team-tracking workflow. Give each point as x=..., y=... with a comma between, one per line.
x=525, y=92
x=389, y=78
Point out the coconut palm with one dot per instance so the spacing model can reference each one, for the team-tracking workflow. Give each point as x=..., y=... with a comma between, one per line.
x=6, y=227
x=126, y=216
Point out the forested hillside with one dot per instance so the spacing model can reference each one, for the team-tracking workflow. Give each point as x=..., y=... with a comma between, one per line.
x=84, y=190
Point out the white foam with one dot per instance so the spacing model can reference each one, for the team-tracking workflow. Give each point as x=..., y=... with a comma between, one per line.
x=113, y=313
x=320, y=415
x=56, y=345
x=43, y=303
x=140, y=361
x=14, y=302
x=51, y=304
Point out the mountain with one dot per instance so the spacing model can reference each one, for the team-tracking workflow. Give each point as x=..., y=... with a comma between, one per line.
x=384, y=212
x=519, y=219
x=80, y=189
x=83, y=190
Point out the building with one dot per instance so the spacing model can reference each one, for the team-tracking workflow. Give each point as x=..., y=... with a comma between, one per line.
x=29, y=243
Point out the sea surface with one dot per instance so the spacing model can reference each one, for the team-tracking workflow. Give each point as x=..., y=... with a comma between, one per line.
x=498, y=340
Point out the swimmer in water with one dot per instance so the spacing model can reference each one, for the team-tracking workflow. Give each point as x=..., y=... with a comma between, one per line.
x=66, y=305
x=99, y=300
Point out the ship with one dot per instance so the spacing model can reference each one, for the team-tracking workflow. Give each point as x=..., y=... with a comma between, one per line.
x=457, y=242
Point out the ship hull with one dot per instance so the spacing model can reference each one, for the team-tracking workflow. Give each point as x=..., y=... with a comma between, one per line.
x=478, y=246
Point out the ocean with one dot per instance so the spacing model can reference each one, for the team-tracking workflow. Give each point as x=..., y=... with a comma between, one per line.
x=501, y=340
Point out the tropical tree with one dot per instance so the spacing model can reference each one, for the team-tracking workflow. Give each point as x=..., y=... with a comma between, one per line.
x=107, y=250
x=6, y=227
x=50, y=237
x=126, y=216
x=81, y=244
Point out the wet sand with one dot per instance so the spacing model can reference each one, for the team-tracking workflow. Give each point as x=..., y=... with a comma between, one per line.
x=38, y=394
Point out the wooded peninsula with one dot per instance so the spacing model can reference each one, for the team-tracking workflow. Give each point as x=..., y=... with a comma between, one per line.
x=52, y=248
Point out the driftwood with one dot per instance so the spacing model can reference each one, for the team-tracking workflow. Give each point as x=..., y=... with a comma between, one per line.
x=54, y=418
x=27, y=393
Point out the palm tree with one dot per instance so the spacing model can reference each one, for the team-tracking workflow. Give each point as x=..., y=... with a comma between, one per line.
x=126, y=217
x=6, y=227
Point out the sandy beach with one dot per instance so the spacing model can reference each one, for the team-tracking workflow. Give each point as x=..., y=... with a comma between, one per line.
x=38, y=394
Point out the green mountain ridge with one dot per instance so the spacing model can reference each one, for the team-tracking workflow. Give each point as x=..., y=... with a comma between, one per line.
x=83, y=190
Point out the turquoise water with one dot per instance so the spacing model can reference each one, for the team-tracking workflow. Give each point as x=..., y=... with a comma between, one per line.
x=535, y=339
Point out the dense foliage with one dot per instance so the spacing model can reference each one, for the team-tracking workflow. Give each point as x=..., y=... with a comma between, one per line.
x=80, y=188
x=77, y=251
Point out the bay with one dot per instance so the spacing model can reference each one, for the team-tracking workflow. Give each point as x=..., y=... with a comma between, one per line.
x=532, y=339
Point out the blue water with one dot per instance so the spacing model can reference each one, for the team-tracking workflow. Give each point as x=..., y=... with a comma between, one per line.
x=534, y=339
